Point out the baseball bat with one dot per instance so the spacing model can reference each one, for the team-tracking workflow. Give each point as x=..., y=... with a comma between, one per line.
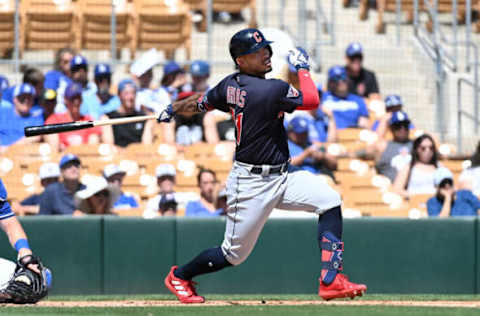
x=73, y=126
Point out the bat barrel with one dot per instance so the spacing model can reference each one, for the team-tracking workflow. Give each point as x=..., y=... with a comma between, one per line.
x=56, y=128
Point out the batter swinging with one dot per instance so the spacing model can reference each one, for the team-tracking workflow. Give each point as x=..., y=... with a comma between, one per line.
x=261, y=178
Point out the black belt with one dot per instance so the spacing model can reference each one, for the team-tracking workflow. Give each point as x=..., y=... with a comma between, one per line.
x=279, y=169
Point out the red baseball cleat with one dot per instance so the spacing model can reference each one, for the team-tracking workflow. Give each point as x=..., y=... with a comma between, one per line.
x=340, y=287
x=183, y=290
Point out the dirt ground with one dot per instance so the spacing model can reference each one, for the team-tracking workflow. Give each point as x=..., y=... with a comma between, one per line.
x=141, y=303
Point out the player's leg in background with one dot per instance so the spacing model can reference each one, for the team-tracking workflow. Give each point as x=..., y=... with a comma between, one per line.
x=7, y=269
x=309, y=192
x=250, y=201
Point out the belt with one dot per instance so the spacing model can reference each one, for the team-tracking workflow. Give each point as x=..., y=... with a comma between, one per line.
x=266, y=170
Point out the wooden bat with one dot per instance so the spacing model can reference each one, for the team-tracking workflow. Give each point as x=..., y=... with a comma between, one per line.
x=73, y=126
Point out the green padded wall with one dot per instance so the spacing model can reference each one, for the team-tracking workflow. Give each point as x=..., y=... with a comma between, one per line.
x=411, y=256
x=138, y=253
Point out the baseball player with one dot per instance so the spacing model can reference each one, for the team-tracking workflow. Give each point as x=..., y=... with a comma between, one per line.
x=261, y=178
x=27, y=281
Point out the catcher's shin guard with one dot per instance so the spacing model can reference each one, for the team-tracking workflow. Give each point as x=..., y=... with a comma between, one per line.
x=332, y=262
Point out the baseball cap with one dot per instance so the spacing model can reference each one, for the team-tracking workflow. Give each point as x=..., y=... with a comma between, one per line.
x=68, y=158
x=112, y=169
x=399, y=117
x=24, y=88
x=124, y=83
x=102, y=69
x=3, y=83
x=337, y=73
x=73, y=90
x=298, y=125
x=441, y=174
x=393, y=100
x=171, y=67
x=200, y=68
x=354, y=49
x=49, y=95
x=49, y=170
x=77, y=61
x=147, y=61
x=165, y=170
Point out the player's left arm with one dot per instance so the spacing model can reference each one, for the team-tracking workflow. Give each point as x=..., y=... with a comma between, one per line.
x=310, y=99
x=16, y=235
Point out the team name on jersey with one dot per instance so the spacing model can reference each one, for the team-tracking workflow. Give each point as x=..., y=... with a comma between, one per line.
x=236, y=96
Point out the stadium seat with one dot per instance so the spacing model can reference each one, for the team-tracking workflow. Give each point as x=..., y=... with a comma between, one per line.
x=164, y=25
x=94, y=150
x=48, y=24
x=95, y=20
x=7, y=27
x=236, y=6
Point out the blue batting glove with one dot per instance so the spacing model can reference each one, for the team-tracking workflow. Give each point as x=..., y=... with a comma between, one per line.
x=166, y=115
x=298, y=58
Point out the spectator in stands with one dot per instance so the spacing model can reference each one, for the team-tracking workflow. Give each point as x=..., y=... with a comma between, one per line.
x=173, y=80
x=48, y=102
x=417, y=177
x=393, y=103
x=73, y=99
x=205, y=206
x=33, y=77
x=59, y=78
x=447, y=201
x=114, y=176
x=167, y=201
x=470, y=178
x=394, y=155
x=200, y=73
x=125, y=134
x=361, y=81
x=148, y=100
x=97, y=198
x=349, y=110
x=79, y=71
x=57, y=199
x=101, y=102
x=49, y=173
x=189, y=129
x=4, y=85
x=304, y=154
x=14, y=119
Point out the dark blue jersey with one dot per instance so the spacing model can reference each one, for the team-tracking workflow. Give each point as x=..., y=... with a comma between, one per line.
x=257, y=106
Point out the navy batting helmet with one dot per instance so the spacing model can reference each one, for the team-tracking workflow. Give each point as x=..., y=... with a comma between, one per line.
x=248, y=41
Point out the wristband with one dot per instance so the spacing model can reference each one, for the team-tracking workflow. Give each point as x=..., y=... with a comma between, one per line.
x=21, y=243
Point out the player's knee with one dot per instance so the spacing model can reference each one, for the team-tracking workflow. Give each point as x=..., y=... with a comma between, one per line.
x=235, y=255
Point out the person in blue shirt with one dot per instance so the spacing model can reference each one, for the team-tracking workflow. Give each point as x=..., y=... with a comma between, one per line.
x=101, y=102
x=200, y=73
x=114, y=176
x=59, y=78
x=393, y=103
x=304, y=154
x=173, y=80
x=79, y=71
x=58, y=197
x=14, y=119
x=4, y=86
x=448, y=202
x=35, y=78
x=349, y=110
x=205, y=207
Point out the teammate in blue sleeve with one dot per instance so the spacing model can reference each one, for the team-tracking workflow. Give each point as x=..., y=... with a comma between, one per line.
x=261, y=178
x=13, y=276
x=349, y=110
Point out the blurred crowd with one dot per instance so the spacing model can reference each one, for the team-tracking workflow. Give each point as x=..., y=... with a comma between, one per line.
x=66, y=94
